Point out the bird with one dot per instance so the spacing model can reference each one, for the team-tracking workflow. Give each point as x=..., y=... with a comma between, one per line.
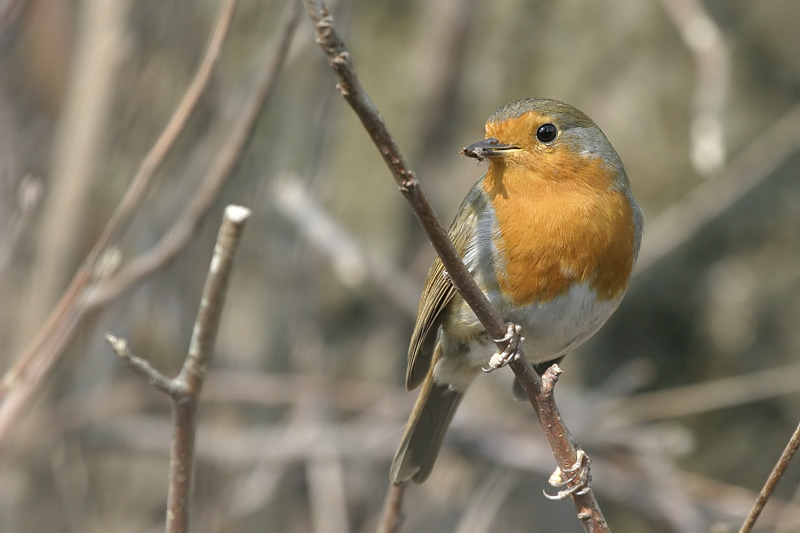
x=550, y=233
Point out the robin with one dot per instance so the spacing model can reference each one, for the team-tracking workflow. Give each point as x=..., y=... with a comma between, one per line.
x=550, y=233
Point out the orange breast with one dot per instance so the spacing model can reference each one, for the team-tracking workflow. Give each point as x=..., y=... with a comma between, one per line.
x=557, y=230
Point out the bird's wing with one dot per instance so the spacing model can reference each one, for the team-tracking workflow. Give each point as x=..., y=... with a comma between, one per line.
x=438, y=292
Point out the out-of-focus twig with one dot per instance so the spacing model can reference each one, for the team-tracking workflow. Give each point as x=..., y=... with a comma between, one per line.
x=710, y=395
x=704, y=38
x=677, y=224
x=371, y=439
x=156, y=379
x=116, y=398
x=352, y=263
x=441, y=52
x=78, y=149
x=163, y=145
x=772, y=481
x=184, y=390
x=183, y=228
x=326, y=490
x=539, y=392
x=29, y=370
x=481, y=510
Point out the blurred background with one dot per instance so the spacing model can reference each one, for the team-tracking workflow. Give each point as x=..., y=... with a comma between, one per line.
x=684, y=400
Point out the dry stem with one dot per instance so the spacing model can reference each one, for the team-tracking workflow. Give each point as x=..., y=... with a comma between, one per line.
x=772, y=481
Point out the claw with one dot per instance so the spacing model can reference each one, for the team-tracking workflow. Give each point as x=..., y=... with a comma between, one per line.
x=579, y=474
x=511, y=353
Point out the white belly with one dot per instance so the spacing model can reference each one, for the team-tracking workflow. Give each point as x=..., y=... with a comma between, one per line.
x=562, y=324
x=550, y=329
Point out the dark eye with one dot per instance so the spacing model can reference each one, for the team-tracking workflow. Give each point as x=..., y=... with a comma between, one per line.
x=546, y=133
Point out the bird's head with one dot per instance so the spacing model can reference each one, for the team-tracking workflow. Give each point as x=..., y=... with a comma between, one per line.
x=552, y=139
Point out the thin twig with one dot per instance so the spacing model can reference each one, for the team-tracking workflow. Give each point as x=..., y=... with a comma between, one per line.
x=352, y=262
x=141, y=366
x=163, y=145
x=327, y=495
x=184, y=390
x=78, y=150
x=709, y=395
x=558, y=435
x=190, y=380
x=772, y=481
x=704, y=39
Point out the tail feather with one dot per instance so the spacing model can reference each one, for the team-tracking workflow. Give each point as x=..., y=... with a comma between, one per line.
x=425, y=431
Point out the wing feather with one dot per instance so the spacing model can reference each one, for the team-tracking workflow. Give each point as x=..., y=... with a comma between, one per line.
x=439, y=291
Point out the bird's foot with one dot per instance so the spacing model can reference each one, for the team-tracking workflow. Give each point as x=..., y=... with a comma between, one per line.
x=514, y=338
x=576, y=478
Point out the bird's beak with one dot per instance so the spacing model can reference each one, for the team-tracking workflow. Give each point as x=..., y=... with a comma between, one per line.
x=488, y=148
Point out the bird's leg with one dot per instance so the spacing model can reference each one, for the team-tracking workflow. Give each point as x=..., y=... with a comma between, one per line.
x=514, y=338
x=579, y=474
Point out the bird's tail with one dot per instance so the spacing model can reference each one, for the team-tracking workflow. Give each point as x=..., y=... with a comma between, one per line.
x=425, y=431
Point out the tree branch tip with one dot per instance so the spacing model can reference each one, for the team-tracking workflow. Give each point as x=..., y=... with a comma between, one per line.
x=237, y=213
x=119, y=345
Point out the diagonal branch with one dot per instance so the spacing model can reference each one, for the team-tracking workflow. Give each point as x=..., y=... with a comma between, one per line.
x=181, y=231
x=772, y=481
x=22, y=380
x=87, y=293
x=540, y=395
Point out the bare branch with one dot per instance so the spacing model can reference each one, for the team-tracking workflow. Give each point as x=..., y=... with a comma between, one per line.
x=190, y=381
x=211, y=304
x=772, y=482
x=163, y=145
x=86, y=292
x=21, y=382
x=558, y=435
x=181, y=231
x=186, y=387
x=350, y=88
x=352, y=263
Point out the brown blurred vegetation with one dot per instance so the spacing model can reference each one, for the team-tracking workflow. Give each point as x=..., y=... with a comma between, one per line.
x=304, y=403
